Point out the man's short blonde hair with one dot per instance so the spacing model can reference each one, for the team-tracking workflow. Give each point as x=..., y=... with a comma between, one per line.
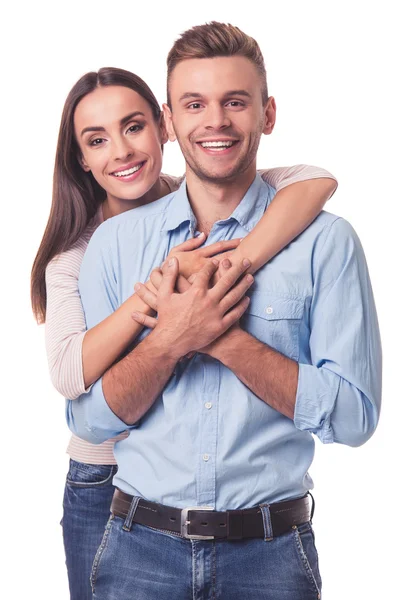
x=212, y=40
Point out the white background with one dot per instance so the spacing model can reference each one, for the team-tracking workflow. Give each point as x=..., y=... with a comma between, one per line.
x=337, y=71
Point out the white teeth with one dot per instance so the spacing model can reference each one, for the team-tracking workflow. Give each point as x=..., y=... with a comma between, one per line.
x=216, y=144
x=128, y=171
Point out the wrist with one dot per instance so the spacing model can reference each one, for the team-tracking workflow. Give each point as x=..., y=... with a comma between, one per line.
x=137, y=304
x=161, y=344
x=226, y=345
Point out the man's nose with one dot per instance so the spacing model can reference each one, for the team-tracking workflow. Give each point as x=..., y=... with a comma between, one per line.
x=216, y=118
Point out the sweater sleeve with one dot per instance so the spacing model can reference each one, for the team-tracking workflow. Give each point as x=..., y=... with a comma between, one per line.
x=65, y=325
x=281, y=177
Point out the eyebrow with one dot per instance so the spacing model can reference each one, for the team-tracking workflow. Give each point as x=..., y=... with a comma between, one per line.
x=136, y=113
x=189, y=95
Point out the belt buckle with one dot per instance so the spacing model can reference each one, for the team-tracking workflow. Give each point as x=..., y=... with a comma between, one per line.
x=185, y=523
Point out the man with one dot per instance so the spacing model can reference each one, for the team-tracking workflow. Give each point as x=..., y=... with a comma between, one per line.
x=228, y=431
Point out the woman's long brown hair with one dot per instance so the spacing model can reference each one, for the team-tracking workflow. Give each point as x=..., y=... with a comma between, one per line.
x=76, y=195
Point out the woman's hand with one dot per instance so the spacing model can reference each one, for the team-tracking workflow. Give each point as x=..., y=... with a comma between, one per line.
x=191, y=258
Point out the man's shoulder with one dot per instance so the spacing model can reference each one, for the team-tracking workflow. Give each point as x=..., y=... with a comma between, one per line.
x=328, y=224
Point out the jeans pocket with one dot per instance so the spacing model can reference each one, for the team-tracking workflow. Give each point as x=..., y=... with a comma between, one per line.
x=100, y=552
x=308, y=555
x=87, y=475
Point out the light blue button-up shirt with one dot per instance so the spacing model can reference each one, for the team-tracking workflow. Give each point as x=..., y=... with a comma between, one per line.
x=208, y=439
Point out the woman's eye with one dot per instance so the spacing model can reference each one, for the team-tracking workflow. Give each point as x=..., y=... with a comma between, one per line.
x=96, y=142
x=134, y=128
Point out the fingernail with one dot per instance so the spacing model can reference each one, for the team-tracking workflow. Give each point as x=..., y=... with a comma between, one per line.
x=215, y=261
x=201, y=235
x=249, y=278
x=171, y=262
x=246, y=262
x=226, y=263
x=137, y=286
x=135, y=314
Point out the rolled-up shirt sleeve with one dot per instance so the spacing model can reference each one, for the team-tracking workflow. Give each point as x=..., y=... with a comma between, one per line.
x=339, y=394
x=89, y=416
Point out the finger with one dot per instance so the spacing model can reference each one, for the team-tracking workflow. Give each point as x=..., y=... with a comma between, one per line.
x=234, y=315
x=204, y=275
x=190, y=244
x=228, y=280
x=224, y=265
x=183, y=284
x=219, y=247
x=236, y=293
x=144, y=320
x=146, y=295
x=170, y=274
x=156, y=277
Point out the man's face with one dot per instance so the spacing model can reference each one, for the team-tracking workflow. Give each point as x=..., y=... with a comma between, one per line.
x=217, y=115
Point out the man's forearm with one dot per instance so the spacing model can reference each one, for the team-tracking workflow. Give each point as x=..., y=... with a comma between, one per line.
x=132, y=385
x=270, y=375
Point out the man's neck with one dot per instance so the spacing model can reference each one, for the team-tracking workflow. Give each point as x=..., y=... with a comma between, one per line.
x=213, y=202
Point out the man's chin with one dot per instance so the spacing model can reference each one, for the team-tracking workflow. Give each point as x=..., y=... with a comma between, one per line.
x=218, y=175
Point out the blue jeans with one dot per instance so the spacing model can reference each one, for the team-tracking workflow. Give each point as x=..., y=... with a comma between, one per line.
x=147, y=564
x=87, y=498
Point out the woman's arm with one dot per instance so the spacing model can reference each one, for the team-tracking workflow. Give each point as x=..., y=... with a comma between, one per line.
x=76, y=357
x=301, y=194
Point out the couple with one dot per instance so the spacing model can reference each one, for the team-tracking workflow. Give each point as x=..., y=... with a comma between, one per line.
x=216, y=405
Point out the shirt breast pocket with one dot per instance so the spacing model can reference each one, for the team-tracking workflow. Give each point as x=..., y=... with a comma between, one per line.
x=275, y=320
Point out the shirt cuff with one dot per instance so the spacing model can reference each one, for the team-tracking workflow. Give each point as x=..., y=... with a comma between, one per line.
x=316, y=396
x=102, y=421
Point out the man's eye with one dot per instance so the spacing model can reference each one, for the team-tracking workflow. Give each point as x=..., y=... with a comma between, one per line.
x=195, y=105
x=235, y=103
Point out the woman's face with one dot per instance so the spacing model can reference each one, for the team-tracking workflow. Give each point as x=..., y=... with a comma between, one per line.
x=120, y=141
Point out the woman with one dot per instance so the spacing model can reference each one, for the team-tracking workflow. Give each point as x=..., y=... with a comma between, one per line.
x=108, y=160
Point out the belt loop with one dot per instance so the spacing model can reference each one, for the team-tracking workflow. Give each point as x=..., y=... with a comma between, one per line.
x=268, y=527
x=313, y=506
x=132, y=510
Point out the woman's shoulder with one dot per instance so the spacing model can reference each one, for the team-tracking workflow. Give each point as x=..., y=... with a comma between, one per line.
x=172, y=182
x=69, y=261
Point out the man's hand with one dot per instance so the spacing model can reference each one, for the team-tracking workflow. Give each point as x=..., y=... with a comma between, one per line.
x=193, y=319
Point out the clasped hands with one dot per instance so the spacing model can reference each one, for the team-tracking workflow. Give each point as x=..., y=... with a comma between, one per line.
x=197, y=296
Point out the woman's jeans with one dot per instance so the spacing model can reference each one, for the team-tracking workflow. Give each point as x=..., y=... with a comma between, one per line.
x=87, y=499
x=147, y=564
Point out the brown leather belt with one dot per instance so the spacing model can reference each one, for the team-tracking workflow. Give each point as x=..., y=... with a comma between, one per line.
x=199, y=522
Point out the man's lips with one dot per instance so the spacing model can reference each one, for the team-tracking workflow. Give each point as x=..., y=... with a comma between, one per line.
x=217, y=146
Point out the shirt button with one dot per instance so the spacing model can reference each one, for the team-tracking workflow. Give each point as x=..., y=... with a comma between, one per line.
x=269, y=310
x=205, y=457
x=208, y=405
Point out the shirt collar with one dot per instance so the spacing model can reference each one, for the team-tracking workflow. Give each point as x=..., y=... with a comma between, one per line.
x=248, y=212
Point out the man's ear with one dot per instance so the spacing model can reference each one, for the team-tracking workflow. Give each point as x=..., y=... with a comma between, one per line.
x=83, y=163
x=168, y=122
x=163, y=130
x=270, y=116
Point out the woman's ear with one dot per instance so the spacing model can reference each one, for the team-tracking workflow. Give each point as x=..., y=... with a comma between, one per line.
x=168, y=122
x=83, y=163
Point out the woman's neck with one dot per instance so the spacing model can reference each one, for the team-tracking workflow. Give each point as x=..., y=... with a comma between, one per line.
x=113, y=206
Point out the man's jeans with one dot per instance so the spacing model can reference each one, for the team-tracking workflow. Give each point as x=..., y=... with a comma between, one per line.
x=88, y=495
x=146, y=564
